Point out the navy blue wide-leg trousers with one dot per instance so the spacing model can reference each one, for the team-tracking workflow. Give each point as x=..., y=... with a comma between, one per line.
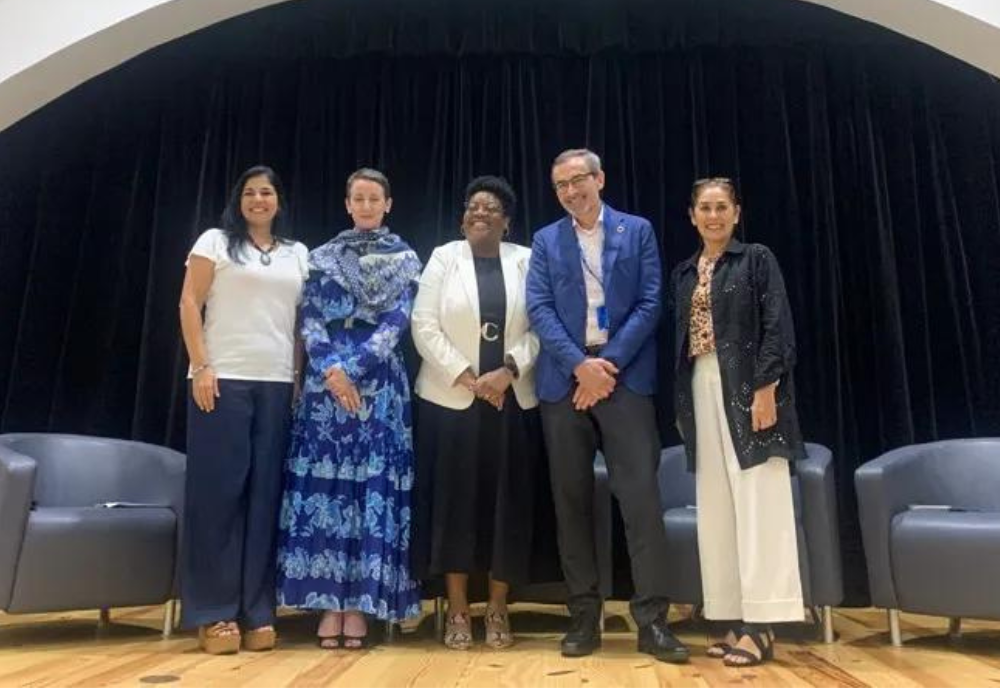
x=235, y=457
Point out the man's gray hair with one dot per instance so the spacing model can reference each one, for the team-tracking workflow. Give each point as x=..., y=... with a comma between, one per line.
x=590, y=157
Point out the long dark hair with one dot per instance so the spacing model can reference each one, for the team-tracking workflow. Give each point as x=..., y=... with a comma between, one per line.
x=233, y=222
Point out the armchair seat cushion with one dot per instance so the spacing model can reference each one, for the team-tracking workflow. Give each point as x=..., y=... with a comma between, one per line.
x=87, y=557
x=947, y=563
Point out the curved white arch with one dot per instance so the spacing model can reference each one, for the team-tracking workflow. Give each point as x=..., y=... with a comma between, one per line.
x=52, y=46
x=966, y=29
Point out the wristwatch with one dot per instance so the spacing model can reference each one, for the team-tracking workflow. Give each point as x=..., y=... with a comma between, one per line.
x=511, y=365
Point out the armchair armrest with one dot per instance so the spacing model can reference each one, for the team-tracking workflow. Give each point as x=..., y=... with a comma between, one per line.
x=819, y=520
x=603, y=544
x=17, y=480
x=676, y=483
x=886, y=486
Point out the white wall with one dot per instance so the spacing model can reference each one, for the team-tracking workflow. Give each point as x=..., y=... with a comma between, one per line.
x=987, y=10
x=51, y=46
x=966, y=29
x=34, y=30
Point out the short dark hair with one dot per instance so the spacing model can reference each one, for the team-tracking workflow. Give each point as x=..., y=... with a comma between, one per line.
x=232, y=220
x=499, y=187
x=371, y=175
x=724, y=183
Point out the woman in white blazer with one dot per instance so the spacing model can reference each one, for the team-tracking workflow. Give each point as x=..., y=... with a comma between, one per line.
x=479, y=442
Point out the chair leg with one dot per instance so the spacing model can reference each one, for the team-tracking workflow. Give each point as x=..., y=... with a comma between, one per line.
x=169, y=612
x=104, y=618
x=828, y=635
x=439, y=618
x=390, y=632
x=955, y=628
x=894, y=633
x=601, y=622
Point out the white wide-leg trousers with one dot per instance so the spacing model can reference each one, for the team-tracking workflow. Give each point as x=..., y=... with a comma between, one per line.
x=746, y=522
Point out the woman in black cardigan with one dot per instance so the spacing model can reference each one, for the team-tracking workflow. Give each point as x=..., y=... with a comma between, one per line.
x=735, y=350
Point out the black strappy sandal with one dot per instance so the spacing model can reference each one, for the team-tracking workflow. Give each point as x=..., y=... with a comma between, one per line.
x=355, y=642
x=721, y=648
x=330, y=642
x=359, y=642
x=762, y=637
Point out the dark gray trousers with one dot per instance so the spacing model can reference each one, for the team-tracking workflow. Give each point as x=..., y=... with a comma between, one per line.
x=624, y=428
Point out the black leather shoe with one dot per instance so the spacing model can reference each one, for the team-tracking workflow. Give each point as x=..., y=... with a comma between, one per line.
x=657, y=640
x=583, y=638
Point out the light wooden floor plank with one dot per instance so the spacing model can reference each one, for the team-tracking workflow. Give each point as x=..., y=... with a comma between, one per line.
x=50, y=650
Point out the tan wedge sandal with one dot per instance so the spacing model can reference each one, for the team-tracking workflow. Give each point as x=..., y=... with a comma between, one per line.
x=220, y=638
x=260, y=639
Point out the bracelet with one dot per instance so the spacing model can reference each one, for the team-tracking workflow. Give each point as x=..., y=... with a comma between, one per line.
x=203, y=366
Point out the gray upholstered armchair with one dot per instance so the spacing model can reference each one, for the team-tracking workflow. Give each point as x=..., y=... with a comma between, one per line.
x=815, y=514
x=88, y=523
x=930, y=522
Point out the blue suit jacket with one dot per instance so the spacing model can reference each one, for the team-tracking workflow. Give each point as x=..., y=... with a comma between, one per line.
x=557, y=302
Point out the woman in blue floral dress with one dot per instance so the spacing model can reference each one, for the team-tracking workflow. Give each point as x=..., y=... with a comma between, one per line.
x=345, y=514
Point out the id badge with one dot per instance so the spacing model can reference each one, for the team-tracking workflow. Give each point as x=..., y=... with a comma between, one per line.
x=602, y=318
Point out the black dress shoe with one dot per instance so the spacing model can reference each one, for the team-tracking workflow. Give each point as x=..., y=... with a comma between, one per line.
x=657, y=640
x=583, y=638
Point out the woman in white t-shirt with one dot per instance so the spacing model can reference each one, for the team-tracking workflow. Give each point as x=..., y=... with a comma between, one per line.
x=248, y=279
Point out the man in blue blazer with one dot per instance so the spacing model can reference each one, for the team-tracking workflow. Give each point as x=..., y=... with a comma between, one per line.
x=593, y=297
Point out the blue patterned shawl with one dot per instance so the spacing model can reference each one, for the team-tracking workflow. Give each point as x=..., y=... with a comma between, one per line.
x=374, y=266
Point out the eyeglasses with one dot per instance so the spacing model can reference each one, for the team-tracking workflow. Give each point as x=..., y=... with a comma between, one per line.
x=488, y=208
x=573, y=181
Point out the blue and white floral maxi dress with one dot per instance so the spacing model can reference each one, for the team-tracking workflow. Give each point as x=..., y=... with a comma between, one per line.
x=344, y=536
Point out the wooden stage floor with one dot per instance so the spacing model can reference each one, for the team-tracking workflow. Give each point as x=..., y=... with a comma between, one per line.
x=39, y=651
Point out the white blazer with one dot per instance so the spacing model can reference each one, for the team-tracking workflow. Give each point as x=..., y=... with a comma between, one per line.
x=446, y=327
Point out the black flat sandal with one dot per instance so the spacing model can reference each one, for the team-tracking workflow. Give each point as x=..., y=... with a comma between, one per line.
x=762, y=637
x=720, y=649
x=355, y=642
x=330, y=642
x=349, y=641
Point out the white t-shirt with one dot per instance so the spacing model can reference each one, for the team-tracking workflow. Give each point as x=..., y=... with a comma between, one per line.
x=250, y=311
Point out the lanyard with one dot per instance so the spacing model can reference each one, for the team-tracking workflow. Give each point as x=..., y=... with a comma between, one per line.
x=586, y=264
x=588, y=268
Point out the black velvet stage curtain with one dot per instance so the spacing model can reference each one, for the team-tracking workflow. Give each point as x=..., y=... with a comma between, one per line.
x=868, y=163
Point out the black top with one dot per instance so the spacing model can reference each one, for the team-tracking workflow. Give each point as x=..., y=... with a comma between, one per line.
x=492, y=313
x=755, y=345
